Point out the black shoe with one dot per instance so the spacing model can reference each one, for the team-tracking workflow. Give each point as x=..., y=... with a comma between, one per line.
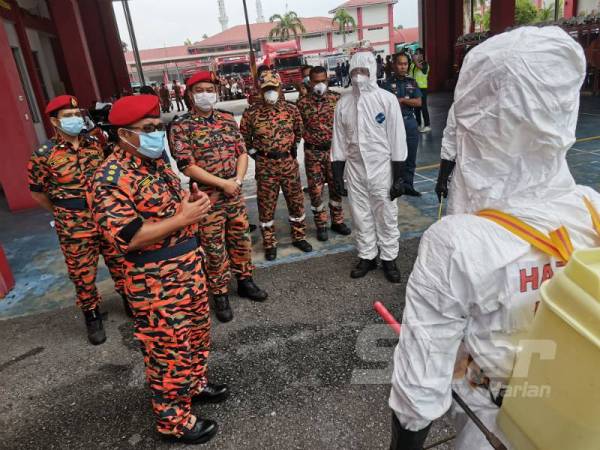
x=341, y=228
x=363, y=267
x=212, y=393
x=303, y=245
x=95, y=328
x=322, y=234
x=222, y=309
x=412, y=192
x=391, y=271
x=271, y=253
x=252, y=228
x=203, y=431
x=126, y=307
x=247, y=288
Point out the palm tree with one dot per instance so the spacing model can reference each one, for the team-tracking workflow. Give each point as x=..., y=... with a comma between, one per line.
x=287, y=25
x=343, y=19
x=188, y=42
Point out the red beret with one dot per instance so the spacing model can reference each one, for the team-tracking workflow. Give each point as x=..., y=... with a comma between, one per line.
x=61, y=102
x=205, y=75
x=130, y=109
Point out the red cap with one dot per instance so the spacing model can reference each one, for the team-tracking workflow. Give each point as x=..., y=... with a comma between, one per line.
x=130, y=109
x=61, y=102
x=205, y=76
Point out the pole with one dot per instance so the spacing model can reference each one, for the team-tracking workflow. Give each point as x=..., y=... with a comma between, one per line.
x=472, y=24
x=556, y=6
x=490, y=436
x=252, y=55
x=134, y=47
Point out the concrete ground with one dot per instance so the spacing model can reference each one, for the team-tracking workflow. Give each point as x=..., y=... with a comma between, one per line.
x=309, y=368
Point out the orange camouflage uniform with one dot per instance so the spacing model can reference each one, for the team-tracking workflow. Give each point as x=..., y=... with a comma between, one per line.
x=317, y=114
x=167, y=292
x=215, y=144
x=274, y=130
x=64, y=174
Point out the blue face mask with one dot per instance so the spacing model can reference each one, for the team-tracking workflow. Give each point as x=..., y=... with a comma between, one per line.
x=71, y=125
x=152, y=145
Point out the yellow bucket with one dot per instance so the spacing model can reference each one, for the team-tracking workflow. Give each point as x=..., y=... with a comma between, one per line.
x=553, y=399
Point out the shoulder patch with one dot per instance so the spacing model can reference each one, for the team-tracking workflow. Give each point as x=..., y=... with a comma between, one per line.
x=181, y=118
x=45, y=147
x=111, y=173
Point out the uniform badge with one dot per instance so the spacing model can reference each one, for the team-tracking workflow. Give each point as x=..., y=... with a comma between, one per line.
x=380, y=118
x=146, y=181
x=111, y=173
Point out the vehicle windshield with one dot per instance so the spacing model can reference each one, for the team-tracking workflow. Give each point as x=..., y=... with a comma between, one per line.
x=228, y=69
x=285, y=63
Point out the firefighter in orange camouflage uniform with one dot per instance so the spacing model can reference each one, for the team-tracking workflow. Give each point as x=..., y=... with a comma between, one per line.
x=140, y=207
x=317, y=110
x=208, y=148
x=60, y=173
x=274, y=129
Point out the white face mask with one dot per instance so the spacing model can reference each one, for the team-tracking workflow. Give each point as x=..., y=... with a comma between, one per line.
x=205, y=100
x=271, y=97
x=320, y=88
x=360, y=80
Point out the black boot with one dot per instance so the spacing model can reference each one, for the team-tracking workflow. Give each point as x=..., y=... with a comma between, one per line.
x=363, y=267
x=212, y=393
x=203, y=431
x=252, y=228
x=271, y=254
x=322, y=234
x=222, y=309
x=412, y=192
x=95, y=328
x=391, y=271
x=126, y=307
x=403, y=439
x=341, y=228
x=303, y=245
x=247, y=288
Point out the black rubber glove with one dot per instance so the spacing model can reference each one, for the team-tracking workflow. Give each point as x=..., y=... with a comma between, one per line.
x=441, y=188
x=398, y=185
x=403, y=439
x=337, y=168
x=294, y=150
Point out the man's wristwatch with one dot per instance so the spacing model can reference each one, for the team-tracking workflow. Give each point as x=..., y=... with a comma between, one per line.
x=238, y=182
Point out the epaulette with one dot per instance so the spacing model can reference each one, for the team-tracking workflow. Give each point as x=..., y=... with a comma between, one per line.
x=111, y=173
x=181, y=118
x=45, y=147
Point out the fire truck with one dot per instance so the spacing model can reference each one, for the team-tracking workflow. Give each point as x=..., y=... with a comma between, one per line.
x=287, y=61
x=234, y=65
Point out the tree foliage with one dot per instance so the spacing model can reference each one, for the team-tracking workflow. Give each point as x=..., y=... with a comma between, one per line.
x=286, y=26
x=343, y=19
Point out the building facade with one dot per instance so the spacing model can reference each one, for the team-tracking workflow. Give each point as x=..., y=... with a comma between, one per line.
x=48, y=48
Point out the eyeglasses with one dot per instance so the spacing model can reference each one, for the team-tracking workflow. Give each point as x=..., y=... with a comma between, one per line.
x=150, y=128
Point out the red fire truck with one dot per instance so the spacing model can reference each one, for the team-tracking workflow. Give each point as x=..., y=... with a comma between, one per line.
x=287, y=60
x=234, y=65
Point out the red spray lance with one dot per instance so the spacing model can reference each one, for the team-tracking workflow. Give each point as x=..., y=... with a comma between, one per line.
x=491, y=437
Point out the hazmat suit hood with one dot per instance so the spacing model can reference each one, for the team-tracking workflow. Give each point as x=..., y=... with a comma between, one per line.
x=513, y=120
x=365, y=59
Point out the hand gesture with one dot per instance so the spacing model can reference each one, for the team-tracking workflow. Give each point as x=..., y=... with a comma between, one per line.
x=191, y=211
x=230, y=187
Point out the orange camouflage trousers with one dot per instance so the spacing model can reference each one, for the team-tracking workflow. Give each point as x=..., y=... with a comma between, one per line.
x=319, y=172
x=271, y=175
x=225, y=238
x=172, y=323
x=82, y=243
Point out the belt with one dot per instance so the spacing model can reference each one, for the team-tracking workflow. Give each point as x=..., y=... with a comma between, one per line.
x=273, y=155
x=161, y=254
x=74, y=204
x=320, y=147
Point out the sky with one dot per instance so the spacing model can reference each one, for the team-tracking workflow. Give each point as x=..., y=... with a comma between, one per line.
x=160, y=23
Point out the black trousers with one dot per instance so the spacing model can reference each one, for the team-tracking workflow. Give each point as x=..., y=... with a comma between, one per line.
x=423, y=110
x=407, y=440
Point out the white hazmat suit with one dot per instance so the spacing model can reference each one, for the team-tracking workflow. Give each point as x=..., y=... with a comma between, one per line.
x=368, y=134
x=474, y=286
